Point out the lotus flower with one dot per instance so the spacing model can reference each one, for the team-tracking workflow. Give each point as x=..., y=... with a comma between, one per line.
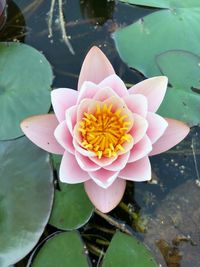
x=105, y=132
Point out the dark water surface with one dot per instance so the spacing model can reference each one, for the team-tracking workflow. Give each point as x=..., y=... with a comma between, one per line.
x=170, y=203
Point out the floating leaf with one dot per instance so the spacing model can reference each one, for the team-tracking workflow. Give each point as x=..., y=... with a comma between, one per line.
x=26, y=196
x=25, y=80
x=164, y=3
x=71, y=208
x=64, y=249
x=126, y=251
x=182, y=100
x=178, y=29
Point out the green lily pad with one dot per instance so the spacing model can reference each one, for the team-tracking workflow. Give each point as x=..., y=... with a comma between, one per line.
x=64, y=249
x=26, y=196
x=182, y=100
x=72, y=207
x=164, y=3
x=178, y=29
x=25, y=80
x=127, y=251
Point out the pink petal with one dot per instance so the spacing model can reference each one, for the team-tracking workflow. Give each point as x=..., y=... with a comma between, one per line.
x=85, y=163
x=70, y=171
x=40, y=130
x=141, y=149
x=139, y=128
x=104, y=161
x=64, y=137
x=119, y=163
x=137, y=104
x=104, y=93
x=116, y=84
x=83, y=151
x=63, y=99
x=138, y=171
x=87, y=90
x=157, y=126
x=154, y=89
x=175, y=133
x=95, y=67
x=105, y=199
x=103, y=178
x=71, y=116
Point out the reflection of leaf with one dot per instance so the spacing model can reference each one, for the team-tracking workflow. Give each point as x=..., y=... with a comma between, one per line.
x=164, y=3
x=181, y=101
x=126, y=251
x=26, y=195
x=64, y=249
x=72, y=208
x=25, y=80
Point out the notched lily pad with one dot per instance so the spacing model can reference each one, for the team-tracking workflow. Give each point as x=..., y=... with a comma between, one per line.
x=64, y=249
x=127, y=251
x=25, y=81
x=26, y=196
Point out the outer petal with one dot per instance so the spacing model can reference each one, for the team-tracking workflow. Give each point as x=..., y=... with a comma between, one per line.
x=139, y=128
x=175, y=133
x=138, y=171
x=154, y=89
x=119, y=163
x=140, y=150
x=103, y=178
x=87, y=90
x=85, y=163
x=95, y=68
x=40, y=130
x=64, y=137
x=105, y=199
x=157, y=126
x=63, y=99
x=70, y=172
x=137, y=104
x=116, y=84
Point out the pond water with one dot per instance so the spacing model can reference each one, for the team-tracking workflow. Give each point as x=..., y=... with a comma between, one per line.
x=169, y=204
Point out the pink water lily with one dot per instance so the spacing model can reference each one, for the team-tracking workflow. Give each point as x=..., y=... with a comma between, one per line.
x=105, y=132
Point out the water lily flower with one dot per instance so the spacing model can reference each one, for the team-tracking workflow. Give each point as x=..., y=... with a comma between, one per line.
x=105, y=132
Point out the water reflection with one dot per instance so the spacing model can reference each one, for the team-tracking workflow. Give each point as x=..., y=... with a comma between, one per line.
x=97, y=11
x=2, y=13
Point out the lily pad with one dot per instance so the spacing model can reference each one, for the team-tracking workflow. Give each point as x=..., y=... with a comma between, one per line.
x=182, y=100
x=178, y=29
x=127, y=251
x=64, y=249
x=25, y=80
x=72, y=208
x=164, y=3
x=26, y=196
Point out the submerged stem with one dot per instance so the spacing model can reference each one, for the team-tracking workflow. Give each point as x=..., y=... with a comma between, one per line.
x=50, y=20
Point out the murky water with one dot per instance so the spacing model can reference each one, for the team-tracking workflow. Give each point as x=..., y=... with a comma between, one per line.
x=173, y=194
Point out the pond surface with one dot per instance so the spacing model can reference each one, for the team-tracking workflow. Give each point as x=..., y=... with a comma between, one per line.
x=169, y=204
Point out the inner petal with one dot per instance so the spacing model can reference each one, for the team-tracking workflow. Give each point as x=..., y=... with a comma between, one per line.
x=104, y=128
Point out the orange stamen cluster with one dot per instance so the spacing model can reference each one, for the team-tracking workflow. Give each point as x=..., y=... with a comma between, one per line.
x=105, y=132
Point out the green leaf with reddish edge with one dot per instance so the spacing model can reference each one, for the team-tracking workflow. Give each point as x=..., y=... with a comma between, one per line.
x=127, y=251
x=25, y=80
x=64, y=249
x=72, y=207
x=164, y=3
x=182, y=100
x=26, y=196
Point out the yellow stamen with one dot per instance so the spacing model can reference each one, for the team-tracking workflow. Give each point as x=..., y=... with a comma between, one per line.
x=105, y=132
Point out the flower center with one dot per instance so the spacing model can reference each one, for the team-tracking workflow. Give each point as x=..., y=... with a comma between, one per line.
x=105, y=132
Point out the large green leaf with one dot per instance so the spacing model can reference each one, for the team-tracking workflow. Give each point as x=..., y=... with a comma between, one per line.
x=64, y=249
x=127, y=251
x=26, y=196
x=71, y=208
x=164, y=3
x=182, y=100
x=140, y=43
x=25, y=80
